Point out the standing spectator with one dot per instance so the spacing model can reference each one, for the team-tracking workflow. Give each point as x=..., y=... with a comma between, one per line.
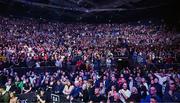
x=42, y=97
x=75, y=93
x=124, y=93
x=97, y=97
x=132, y=83
x=102, y=89
x=8, y=84
x=162, y=77
x=68, y=89
x=108, y=63
x=172, y=95
x=153, y=93
x=144, y=83
x=58, y=87
x=13, y=98
x=4, y=95
x=106, y=82
x=135, y=96
x=84, y=94
x=27, y=87
x=58, y=63
x=158, y=87
x=143, y=91
x=153, y=100
x=113, y=95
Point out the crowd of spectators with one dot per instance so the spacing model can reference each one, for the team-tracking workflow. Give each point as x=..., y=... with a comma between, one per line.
x=127, y=85
x=85, y=55
x=28, y=42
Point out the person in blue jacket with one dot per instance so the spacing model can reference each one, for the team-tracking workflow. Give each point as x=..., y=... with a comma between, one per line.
x=75, y=93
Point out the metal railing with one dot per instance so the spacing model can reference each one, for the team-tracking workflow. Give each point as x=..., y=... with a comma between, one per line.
x=54, y=98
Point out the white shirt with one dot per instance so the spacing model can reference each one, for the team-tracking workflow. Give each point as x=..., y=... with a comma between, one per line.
x=58, y=63
x=146, y=85
x=32, y=79
x=67, y=90
x=8, y=87
x=127, y=93
x=108, y=62
x=37, y=65
x=161, y=79
x=131, y=84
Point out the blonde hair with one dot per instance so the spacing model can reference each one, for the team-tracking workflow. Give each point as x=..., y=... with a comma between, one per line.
x=134, y=90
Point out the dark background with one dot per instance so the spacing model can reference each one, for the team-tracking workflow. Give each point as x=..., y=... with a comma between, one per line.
x=93, y=10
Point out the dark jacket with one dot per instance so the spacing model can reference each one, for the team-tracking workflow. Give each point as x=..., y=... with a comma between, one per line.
x=4, y=98
x=75, y=92
x=174, y=98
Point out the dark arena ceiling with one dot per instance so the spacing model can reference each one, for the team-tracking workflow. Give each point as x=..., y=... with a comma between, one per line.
x=86, y=9
x=99, y=4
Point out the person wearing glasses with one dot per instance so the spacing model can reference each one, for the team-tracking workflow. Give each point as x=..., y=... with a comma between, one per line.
x=152, y=94
x=172, y=94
